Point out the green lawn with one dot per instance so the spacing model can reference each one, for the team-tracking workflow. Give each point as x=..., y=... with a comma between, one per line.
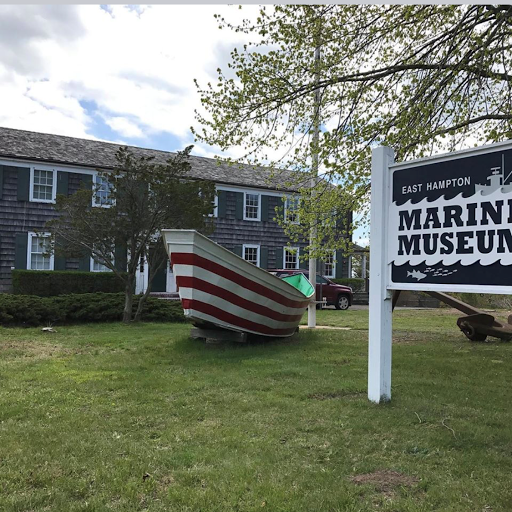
x=112, y=417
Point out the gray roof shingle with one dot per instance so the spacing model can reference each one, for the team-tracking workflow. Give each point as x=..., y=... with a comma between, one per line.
x=59, y=149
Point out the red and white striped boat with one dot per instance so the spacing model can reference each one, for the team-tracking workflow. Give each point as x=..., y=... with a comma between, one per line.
x=218, y=287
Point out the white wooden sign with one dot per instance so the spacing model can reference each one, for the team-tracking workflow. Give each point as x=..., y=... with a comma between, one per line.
x=437, y=224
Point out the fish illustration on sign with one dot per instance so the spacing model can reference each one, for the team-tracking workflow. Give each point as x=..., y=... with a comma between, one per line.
x=416, y=274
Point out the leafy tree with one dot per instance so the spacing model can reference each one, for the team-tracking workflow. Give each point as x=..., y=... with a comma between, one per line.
x=143, y=198
x=419, y=78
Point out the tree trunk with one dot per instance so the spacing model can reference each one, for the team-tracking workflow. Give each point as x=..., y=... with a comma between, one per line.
x=152, y=269
x=141, y=303
x=128, y=301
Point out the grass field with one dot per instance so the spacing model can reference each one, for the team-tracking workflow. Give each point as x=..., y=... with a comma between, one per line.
x=112, y=417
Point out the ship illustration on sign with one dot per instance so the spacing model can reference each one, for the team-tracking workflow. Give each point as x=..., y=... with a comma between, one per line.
x=496, y=180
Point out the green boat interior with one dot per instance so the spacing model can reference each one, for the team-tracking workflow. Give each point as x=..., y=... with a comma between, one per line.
x=301, y=283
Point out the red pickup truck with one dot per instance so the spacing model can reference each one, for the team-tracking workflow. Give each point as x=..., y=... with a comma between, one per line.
x=336, y=295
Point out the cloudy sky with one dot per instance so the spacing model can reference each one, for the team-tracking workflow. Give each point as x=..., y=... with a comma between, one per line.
x=118, y=73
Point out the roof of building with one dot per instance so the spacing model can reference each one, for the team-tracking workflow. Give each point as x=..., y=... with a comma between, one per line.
x=359, y=248
x=60, y=149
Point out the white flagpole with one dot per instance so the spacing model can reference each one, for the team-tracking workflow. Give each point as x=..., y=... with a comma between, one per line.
x=314, y=176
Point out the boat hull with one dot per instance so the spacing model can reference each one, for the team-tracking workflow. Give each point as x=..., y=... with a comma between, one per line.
x=217, y=287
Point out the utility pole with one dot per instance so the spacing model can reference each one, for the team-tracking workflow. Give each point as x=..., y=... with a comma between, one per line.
x=313, y=181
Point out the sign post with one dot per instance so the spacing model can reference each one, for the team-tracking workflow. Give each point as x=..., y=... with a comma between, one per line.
x=438, y=224
x=380, y=328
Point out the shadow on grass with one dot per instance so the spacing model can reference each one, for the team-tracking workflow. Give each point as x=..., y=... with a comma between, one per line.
x=254, y=348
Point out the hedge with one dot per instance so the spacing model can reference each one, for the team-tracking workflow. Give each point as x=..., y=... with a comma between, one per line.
x=357, y=284
x=63, y=282
x=29, y=310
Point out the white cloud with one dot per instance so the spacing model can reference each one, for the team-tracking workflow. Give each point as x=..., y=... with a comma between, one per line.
x=124, y=127
x=136, y=66
x=36, y=107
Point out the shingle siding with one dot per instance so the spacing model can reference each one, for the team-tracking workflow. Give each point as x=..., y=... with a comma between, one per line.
x=21, y=216
x=230, y=232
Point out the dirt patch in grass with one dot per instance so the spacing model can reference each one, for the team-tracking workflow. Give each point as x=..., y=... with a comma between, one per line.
x=41, y=349
x=410, y=338
x=339, y=362
x=335, y=394
x=385, y=481
x=18, y=349
x=164, y=482
x=406, y=338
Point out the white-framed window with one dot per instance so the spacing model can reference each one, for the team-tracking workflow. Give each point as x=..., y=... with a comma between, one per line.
x=330, y=265
x=252, y=210
x=43, y=185
x=251, y=253
x=215, y=212
x=38, y=252
x=98, y=266
x=102, y=191
x=291, y=206
x=291, y=257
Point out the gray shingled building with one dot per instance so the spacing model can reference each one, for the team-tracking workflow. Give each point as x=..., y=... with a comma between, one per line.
x=34, y=167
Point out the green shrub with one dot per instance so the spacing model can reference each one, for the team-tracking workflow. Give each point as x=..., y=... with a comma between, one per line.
x=63, y=282
x=30, y=310
x=357, y=284
x=155, y=310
